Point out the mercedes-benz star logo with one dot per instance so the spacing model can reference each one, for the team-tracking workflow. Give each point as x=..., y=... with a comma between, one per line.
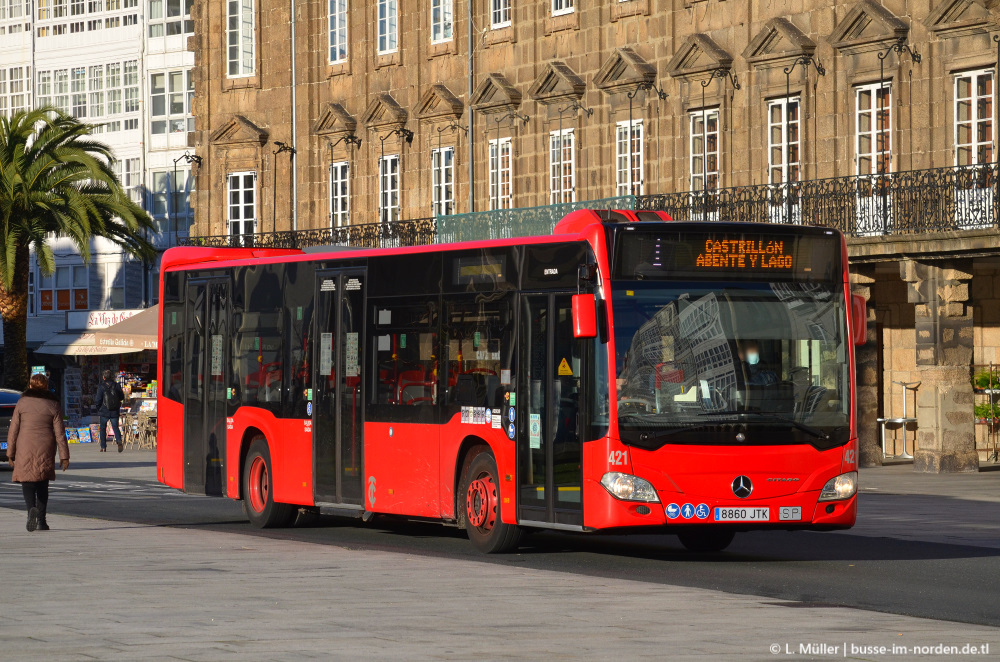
x=742, y=487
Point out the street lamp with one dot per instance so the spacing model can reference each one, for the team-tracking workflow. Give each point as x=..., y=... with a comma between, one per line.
x=574, y=107
x=805, y=61
x=725, y=74
x=899, y=48
x=189, y=159
x=282, y=147
x=510, y=115
x=647, y=85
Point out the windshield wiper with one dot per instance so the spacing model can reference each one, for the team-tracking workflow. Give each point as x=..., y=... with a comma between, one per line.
x=766, y=414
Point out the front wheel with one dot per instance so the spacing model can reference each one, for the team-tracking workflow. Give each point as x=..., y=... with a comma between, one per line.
x=479, y=504
x=258, y=495
x=707, y=540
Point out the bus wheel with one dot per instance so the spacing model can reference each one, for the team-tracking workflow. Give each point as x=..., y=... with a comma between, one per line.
x=707, y=540
x=480, y=504
x=258, y=497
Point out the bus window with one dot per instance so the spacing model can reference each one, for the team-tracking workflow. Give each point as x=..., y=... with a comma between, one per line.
x=257, y=364
x=479, y=351
x=406, y=353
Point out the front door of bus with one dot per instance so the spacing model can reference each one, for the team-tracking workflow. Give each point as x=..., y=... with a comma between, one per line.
x=204, y=390
x=338, y=411
x=547, y=408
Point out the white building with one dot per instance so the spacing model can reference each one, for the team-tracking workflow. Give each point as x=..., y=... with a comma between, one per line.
x=122, y=66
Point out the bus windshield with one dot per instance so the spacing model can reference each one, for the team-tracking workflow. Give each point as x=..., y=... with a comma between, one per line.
x=747, y=363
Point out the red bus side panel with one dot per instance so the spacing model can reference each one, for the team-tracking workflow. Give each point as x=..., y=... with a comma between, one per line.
x=453, y=434
x=290, y=444
x=402, y=458
x=170, y=443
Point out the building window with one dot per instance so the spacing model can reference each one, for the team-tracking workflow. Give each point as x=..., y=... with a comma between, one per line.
x=64, y=289
x=338, y=30
x=171, y=93
x=113, y=78
x=130, y=176
x=443, y=181
x=500, y=174
x=14, y=88
x=499, y=14
x=873, y=129
x=242, y=203
x=704, y=150
x=388, y=26
x=44, y=88
x=441, y=20
x=783, y=141
x=95, y=6
x=61, y=89
x=560, y=7
x=340, y=194
x=170, y=200
x=240, y=38
x=628, y=173
x=388, y=188
x=562, y=171
x=95, y=76
x=974, y=118
x=130, y=81
x=78, y=88
x=114, y=275
x=171, y=19
x=76, y=7
x=44, y=10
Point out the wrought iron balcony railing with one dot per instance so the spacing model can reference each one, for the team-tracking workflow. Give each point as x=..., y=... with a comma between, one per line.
x=413, y=232
x=908, y=202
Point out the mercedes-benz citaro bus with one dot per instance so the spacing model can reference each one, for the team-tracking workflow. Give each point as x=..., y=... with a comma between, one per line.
x=626, y=373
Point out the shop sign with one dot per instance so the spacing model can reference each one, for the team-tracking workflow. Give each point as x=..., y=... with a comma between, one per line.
x=86, y=320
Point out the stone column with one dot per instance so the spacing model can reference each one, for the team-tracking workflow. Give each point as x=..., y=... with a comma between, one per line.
x=944, y=332
x=866, y=381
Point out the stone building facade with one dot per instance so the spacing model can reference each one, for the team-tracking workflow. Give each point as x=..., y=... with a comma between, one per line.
x=367, y=111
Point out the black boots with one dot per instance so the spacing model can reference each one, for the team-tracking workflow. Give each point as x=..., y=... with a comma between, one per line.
x=36, y=520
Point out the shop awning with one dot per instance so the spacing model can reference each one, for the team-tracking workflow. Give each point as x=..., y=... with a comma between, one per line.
x=134, y=334
x=79, y=343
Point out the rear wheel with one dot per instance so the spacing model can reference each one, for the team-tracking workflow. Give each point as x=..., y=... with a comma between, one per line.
x=707, y=540
x=479, y=507
x=258, y=497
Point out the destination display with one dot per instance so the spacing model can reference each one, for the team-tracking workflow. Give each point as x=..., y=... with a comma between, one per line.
x=641, y=255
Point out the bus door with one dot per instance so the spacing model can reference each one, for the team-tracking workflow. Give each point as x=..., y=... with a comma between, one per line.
x=204, y=390
x=338, y=398
x=547, y=412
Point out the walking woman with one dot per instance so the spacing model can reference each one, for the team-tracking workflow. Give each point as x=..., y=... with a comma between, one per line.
x=36, y=429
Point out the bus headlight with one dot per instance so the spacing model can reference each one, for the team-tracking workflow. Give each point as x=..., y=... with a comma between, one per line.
x=626, y=487
x=842, y=487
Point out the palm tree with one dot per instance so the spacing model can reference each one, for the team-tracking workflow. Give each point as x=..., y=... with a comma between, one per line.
x=54, y=178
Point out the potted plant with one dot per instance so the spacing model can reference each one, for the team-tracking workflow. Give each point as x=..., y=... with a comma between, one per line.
x=986, y=379
x=989, y=414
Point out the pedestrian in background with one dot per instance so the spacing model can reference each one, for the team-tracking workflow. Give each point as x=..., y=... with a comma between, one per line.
x=109, y=398
x=36, y=429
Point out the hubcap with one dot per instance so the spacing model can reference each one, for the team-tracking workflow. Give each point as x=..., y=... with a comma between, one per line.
x=258, y=484
x=481, y=503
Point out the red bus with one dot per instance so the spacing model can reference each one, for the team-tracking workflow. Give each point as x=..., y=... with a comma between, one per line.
x=627, y=372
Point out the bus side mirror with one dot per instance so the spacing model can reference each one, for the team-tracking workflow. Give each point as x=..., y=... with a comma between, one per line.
x=859, y=319
x=584, y=316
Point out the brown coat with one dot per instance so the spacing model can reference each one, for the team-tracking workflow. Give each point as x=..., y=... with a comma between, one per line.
x=36, y=428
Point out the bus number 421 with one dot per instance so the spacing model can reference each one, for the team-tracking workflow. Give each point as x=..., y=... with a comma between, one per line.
x=618, y=457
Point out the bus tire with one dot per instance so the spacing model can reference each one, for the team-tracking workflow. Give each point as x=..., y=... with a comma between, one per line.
x=706, y=540
x=258, y=495
x=479, y=506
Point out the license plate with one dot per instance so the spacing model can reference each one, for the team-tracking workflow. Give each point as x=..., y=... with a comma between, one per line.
x=790, y=513
x=742, y=514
